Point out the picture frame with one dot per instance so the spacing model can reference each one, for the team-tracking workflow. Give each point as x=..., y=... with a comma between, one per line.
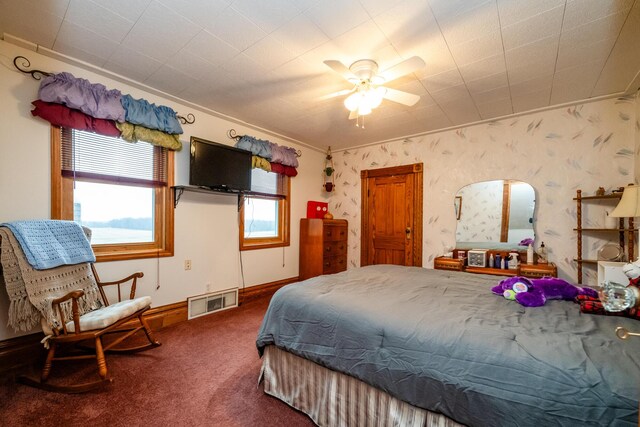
x=457, y=204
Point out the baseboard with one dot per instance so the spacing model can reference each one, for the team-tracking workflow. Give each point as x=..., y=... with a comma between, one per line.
x=27, y=349
x=166, y=315
x=20, y=351
x=256, y=291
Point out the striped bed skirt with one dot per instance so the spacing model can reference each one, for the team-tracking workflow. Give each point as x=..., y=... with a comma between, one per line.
x=331, y=398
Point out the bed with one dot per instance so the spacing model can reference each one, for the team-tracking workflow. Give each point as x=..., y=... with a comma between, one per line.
x=426, y=347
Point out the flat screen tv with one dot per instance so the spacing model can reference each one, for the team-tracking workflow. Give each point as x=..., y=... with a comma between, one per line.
x=219, y=167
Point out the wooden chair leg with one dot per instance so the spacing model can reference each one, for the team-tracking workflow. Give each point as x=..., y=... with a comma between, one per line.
x=102, y=363
x=46, y=369
x=147, y=330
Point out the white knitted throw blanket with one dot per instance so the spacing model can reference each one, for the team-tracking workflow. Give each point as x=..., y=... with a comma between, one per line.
x=31, y=291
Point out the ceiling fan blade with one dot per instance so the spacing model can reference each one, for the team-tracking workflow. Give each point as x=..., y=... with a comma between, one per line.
x=401, y=97
x=353, y=115
x=340, y=68
x=335, y=94
x=405, y=67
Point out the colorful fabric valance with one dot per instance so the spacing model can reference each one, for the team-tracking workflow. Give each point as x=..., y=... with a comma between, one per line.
x=76, y=103
x=60, y=115
x=93, y=99
x=260, y=163
x=283, y=169
x=258, y=147
x=141, y=112
x=135, y=133
x=281, y=159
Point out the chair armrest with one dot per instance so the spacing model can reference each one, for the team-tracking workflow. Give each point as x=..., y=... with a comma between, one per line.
x=133, y=278
x=74, y=296
x=126, y=279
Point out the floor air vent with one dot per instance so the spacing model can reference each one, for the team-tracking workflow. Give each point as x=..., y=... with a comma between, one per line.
x=210, y=303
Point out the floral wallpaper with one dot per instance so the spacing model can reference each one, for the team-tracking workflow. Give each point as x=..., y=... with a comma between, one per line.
x=557, y=151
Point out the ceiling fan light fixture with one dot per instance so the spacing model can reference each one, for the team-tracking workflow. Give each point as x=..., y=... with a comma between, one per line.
x=368, y=92
x=352, y=102
x=375, y=95
x=364, y=109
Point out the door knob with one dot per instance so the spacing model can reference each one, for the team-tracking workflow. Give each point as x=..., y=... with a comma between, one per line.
x=407, y=231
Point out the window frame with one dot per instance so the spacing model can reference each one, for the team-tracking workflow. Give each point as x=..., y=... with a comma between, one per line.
x=62, y=208
x=284, y=218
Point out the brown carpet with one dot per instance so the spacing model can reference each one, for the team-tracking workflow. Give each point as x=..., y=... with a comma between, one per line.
x=204, y=374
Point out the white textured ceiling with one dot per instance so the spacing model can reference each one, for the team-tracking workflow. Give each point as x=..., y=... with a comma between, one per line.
x=262, y=61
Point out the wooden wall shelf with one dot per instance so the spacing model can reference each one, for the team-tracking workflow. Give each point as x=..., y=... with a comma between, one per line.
x=622, y=230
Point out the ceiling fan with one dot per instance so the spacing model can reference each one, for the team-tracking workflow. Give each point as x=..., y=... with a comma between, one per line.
x=368, y=90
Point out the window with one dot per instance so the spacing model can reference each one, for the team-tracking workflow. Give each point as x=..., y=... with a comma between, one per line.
x=120, y=190
x=264, y=215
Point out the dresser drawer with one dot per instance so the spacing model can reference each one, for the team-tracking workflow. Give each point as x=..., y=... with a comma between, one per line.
x=443, y=263
x=335, y=264
x=334, y=233
x=536, y=271
x=335, y=248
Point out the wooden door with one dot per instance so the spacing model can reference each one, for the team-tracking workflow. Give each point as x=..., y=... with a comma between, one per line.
x=392, y=216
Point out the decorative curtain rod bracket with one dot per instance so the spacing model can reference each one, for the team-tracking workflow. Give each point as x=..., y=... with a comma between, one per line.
x=25, y=64
x=232, y=134
x=189, y=119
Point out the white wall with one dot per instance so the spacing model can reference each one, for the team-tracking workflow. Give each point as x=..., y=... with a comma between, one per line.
x=556, y=151
x=206, y=226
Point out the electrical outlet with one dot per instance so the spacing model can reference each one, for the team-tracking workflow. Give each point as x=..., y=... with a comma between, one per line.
x=187, y=264
x=208, y=287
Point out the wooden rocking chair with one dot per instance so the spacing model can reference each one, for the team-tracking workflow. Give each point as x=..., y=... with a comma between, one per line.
x=124, y=317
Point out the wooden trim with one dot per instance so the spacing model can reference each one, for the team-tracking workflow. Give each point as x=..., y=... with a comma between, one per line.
x=20, y=351
x=364, y=218
x=417, y=214
x=395, y=170
x=506, y=210
x=166, y=315
x=284, y=220
x=253, y=292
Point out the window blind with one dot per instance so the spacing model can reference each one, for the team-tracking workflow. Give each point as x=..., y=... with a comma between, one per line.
x=267, y=183
x=86, y=155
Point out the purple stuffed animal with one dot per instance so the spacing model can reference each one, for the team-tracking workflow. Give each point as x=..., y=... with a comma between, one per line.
x=535, y=292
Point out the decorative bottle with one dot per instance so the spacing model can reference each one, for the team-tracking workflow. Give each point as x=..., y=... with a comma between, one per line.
x=542, y=254
x=530, y=254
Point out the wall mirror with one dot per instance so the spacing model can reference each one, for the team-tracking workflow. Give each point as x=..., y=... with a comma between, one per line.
x=495, y=215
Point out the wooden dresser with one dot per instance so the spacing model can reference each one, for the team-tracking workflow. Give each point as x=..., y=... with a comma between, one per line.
x=323, y=246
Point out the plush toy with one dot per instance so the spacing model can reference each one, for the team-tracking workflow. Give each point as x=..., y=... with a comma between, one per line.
x=535, y=292
x=632, y=271
x=593, y=305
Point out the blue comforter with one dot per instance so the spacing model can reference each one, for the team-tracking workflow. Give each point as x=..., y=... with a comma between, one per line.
x=442, y=341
